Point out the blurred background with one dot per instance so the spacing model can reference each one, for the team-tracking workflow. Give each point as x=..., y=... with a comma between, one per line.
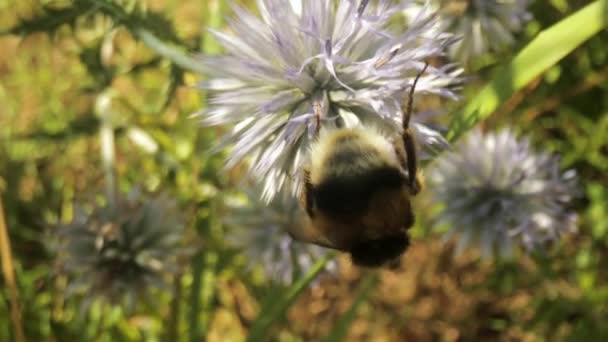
x=120, y=225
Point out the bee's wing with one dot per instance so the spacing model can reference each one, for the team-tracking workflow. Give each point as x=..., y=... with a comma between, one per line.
x=307, y=233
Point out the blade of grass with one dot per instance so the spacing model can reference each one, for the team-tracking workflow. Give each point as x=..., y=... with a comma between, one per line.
x=208, y=290
x=195, y=295
x=276, y=308
x=168, y=51
x=550, y=46
x=175, y=308
x=206, y=269
x=107, y=146
x=9, y=277
x=212, y=18
x=341, y=327
x=212, y=12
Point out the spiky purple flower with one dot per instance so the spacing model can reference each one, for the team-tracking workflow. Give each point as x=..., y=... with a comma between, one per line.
x=484, y=26
x=121, y=250
x=312, y=63
x=498, y=192
x=260, y=230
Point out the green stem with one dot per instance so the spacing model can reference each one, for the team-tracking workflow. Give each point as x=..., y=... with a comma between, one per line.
x=208, y=290
x=210, y=267
x=174, y=313
x=168, y=51
x=194, y=334
x=107, y=148
x=276, y=308
x=212, y=14
x=340, y=329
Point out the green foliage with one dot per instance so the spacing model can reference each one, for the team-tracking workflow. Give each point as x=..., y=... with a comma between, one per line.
x=276, y=306
x=340, y=330
x=544, y=51
x=52, y=18
x=60, y=57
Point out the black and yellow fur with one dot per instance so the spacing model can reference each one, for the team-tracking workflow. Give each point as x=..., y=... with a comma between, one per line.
x=357, y=190
x=357, y=195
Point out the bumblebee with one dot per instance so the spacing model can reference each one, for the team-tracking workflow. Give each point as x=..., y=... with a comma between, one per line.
x=356, y=191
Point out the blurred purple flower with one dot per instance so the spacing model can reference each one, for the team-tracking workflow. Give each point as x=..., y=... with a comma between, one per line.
x=260, y=230
x=484, y=26
x=497, y=191
x=119, y=252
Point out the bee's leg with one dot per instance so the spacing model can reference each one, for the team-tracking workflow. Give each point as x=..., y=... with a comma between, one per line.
x=405, y=162
x=412, y=161
x=408, y=137
x=307, y=194
x=309, y=234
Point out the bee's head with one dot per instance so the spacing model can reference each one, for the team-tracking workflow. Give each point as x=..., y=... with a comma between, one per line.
x=375, y=253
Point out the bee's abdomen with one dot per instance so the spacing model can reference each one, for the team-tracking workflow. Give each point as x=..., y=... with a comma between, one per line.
x=374, y=253
x=349, y=194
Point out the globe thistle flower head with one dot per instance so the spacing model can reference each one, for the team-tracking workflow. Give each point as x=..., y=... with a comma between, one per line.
x=317, y=63
x=485, y=26
x=497, y=191
x=118, y=252
x=260, y=230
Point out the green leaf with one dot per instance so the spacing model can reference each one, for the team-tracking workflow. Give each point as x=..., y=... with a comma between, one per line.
x=212, y=11
x=52, y=19
x=550, y=46
x=169, y=51
x=276, y=308
x=340, y=329
x=153, y=30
